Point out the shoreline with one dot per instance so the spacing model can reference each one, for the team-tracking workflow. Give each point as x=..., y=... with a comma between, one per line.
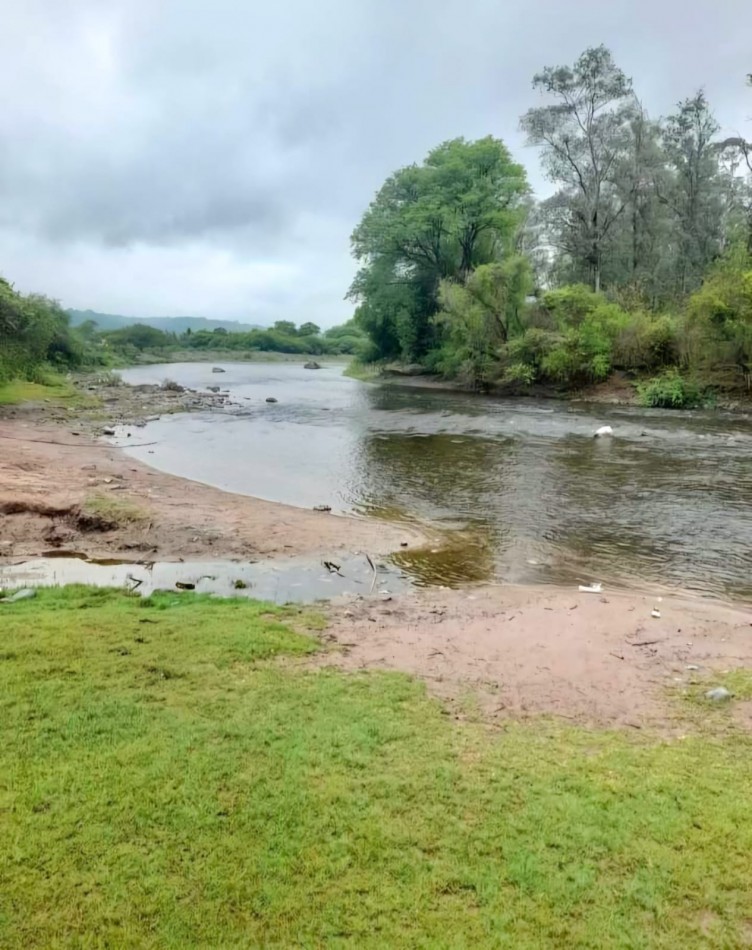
x=62, y=489
x=490, y=652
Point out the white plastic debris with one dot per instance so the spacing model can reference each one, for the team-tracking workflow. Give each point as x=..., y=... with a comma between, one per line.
x=655, y=613
x=604, y=430
x=591, y=588
x=718, y=694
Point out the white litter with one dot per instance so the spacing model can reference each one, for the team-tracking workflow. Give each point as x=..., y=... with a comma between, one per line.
x=591, y=588
x=655, y=613
x=604, y=430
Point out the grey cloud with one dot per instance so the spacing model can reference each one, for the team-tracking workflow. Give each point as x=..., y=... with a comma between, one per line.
x=140, y=130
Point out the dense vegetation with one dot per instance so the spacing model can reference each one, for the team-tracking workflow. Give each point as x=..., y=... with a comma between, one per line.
x=283, y=337
x=35, y=336
x=171, y=776
x=640, y=261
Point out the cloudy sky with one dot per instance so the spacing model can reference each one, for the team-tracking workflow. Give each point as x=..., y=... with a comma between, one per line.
x=211, y=157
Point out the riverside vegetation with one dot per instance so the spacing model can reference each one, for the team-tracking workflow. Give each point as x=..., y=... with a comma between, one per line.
x=640, y=260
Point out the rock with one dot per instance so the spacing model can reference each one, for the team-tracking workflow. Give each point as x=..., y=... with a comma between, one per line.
x=26, y=593
x=213, y=389
x=603, y=431
x=311, y=364
x=108, y=430
x=217, y=369
x=718, y=695
x=270, y=399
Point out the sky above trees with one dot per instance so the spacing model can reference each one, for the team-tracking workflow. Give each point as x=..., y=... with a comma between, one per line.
x=175, y=157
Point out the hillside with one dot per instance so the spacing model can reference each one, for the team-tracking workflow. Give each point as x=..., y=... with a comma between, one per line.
x=113, y=321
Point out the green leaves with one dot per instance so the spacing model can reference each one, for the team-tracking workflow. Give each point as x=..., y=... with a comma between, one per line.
x=437, y=221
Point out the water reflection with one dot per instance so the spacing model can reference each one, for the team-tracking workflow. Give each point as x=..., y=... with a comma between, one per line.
x=521, y=490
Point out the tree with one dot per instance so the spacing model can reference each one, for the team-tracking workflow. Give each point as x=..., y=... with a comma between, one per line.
x=285, y=326
x=583, y=137
x=309, y=329
x=428, y=223
x=479, y=315
x=695, y=194
x=141, y=336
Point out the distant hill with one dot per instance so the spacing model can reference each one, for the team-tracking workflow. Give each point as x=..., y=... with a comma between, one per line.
x=114, y=321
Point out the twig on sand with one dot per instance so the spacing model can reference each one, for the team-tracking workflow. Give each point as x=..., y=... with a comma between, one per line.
x=373, y=568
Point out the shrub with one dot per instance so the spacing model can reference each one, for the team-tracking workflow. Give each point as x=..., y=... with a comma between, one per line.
x=523, y=373
x=646, y=342
x=670, y=390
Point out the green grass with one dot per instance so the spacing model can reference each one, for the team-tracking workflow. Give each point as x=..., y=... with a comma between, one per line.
x=172, y=775
x=55, y=389
x=112, y=512
x=365, y=372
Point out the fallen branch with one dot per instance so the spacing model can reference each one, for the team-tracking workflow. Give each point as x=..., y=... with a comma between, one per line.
x=77, y=445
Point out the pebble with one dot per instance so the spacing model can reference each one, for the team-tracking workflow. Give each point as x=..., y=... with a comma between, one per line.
x=718, y=694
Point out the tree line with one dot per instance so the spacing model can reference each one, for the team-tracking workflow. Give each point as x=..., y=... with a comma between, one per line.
x=284, y=336
x=640, y=260
x=37, y=339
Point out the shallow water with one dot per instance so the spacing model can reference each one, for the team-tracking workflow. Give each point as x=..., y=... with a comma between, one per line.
x=292, y=580
x=522, y=489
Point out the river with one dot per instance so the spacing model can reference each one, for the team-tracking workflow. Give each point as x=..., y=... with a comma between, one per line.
x=522, y=490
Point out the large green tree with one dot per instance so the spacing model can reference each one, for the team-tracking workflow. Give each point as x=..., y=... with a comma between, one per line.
x=428, y=223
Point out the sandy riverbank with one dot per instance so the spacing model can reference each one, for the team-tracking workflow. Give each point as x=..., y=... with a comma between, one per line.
x=59, y=481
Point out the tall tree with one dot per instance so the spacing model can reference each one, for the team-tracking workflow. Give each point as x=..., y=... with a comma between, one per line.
x=695, y=195
x=583, y=135
x=430, y=222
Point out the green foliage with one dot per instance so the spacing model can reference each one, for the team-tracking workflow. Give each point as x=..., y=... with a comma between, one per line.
x=34, y=334
x=181, y=783
x=670, y=390
x=437, y=221
x=719, y=321
x=141, y=336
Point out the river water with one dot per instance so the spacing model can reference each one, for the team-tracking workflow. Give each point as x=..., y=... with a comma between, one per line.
x=521, y=490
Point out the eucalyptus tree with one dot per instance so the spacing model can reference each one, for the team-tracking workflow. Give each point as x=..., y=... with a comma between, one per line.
x=583, y=134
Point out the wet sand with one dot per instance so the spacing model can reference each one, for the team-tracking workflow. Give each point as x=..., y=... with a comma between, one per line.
x=47, y=474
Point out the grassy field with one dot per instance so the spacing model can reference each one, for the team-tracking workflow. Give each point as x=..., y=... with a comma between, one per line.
x=173, y=774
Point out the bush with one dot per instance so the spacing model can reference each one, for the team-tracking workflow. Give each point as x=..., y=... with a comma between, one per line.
x=523, y=373
x=646, y=342
x=583, y=355
x=670, y=390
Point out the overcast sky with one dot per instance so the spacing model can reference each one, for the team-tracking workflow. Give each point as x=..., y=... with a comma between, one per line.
x=211, y=157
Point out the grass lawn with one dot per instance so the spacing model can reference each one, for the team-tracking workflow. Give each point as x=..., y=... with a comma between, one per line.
x=173, y=775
